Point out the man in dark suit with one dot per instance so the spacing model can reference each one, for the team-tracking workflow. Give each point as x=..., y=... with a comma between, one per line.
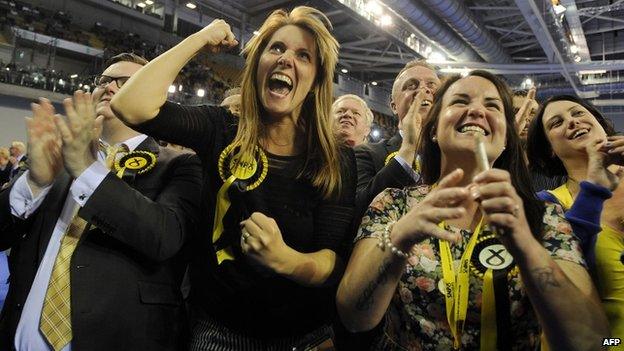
x=390, y=163
x=123, y=251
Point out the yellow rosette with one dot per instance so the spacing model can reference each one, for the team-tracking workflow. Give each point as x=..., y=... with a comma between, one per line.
x=240, y=167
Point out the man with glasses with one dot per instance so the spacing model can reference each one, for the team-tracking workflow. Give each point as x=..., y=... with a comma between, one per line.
x=97, y=236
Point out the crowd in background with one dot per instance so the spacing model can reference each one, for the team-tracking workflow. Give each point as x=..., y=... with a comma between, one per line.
x=59, y=24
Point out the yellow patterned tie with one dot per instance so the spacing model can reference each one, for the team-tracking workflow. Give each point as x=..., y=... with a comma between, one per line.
x=55, y=323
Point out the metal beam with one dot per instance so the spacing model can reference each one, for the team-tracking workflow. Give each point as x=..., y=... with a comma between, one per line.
x=375, y=59
x=538, y=27
x=372, y=40
x=267, y=5
x=576, y=28
x=508, y=69
x=519, y=43
x=603, y=30
x=619, y=20
x=353, y=61
x=386, y=49
x=499, y=16
x=377, y=70
x=527, y=47
x=612, y=102
x=512, y=30
x=505, y=30
x=610, y=52
x=490, y=8
x=368, y=50
x=549, y=40
x=611, y=65
x=595, y=11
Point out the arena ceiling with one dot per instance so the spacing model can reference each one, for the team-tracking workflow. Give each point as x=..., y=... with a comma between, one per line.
x=561, y=46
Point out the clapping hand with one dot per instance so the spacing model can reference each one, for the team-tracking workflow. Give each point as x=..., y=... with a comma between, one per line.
x=443, y=202
x=601, y=154
x=44, y=145
x=503, y=208
x=412, y=122
x=79, y=132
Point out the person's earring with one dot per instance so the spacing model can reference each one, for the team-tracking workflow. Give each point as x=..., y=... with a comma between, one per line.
x=434, y=139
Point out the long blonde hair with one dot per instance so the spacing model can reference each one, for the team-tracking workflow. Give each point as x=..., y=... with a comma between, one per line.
x=322, y=164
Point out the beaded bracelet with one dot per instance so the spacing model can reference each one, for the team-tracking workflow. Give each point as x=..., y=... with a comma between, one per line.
x=385, y=242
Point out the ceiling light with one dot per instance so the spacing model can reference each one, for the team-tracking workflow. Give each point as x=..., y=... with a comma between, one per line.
x=141, y=5
x=594, y=71
x=374, y=83
x=375, y=133
x=436, y=57
x=190, y=5
x=201, y=92
x=172, y=89
x=373, y=7
x=577, y=58
x=73, y=76
x=528, y=82
x=463, y=71
x=574, y=49
x=344, y=70
x=180, y=87
x=386, y=20
x=149, y=2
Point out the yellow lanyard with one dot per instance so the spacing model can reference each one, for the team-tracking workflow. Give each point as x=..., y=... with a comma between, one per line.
x=563, y=195
x=457, y=285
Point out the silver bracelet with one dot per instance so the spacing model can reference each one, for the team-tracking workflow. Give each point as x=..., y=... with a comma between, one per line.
x=385, y=242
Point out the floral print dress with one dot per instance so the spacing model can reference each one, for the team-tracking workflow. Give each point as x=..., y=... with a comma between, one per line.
x=416, y=317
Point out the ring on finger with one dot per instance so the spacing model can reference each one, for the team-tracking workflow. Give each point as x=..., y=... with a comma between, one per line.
x=245, y=234
x=516, y=211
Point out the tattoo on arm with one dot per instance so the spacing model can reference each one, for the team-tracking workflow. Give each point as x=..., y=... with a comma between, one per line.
x=545, y=279
x=365, y=301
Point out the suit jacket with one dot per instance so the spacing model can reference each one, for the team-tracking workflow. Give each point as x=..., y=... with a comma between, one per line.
x=374, y=176
x=22, y=165
x=126, y=271
x=5, y=175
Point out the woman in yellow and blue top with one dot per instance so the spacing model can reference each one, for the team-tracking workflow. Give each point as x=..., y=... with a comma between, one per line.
x=570, y=137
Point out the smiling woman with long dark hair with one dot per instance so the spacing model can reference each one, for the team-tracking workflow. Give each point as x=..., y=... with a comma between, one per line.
x=279, y=191
x=571, y=138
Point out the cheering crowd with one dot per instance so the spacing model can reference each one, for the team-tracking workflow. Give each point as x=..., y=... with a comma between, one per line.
x=488, y=221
